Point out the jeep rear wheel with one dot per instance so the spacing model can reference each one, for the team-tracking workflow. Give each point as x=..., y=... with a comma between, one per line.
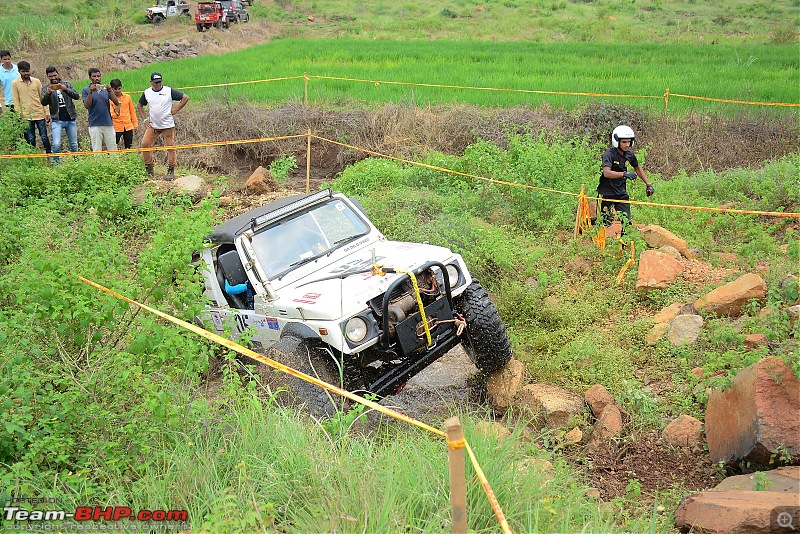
x=486, y=341
x=199, y=27
x=158, y=19
x=300, y=355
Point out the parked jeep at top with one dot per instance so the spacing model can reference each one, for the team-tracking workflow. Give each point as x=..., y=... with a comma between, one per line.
x=236, y=11
x=210, y=14
x=318, y=287
x=167, y=8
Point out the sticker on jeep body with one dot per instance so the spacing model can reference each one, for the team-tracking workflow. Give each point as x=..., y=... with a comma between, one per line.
x=356, y=265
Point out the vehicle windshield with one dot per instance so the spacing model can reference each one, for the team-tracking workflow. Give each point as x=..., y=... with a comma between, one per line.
x=310, y=234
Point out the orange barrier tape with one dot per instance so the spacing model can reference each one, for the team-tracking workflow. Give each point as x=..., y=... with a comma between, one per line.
x=267, y=361
x=583, y=218
x=152, y=149
x=487, y=488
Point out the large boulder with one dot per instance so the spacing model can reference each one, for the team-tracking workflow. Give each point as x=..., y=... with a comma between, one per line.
x=756, y=416
x=261, y=182
x=657, y=237
x=684, y=330
x=731, y=298
x=657, y=270
x=598, y=397
x=504, y=384
x=735, y=512
x=609, y=424
x=554, y=404
x=683, y=431
x=668, y=313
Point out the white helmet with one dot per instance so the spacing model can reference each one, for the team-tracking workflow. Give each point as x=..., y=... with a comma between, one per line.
x=622, y=132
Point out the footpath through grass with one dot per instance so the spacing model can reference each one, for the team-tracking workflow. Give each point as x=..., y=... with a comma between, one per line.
x=765, y=73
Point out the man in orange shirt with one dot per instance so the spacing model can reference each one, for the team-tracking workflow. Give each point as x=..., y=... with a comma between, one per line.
x=123, y=114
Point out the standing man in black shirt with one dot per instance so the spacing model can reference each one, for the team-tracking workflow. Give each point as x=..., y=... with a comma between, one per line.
x=615, y=175
x=59, y=95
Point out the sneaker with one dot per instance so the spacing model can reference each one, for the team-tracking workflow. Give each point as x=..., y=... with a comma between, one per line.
x=149, y=169
x=170, y=174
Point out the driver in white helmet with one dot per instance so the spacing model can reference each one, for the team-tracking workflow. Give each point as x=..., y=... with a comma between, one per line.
x=615, y=175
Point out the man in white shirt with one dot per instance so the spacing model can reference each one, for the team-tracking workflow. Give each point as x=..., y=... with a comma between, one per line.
x=8, y=73
x=161, y=121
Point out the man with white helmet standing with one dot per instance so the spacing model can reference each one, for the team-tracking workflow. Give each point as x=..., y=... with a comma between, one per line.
x=615, y=175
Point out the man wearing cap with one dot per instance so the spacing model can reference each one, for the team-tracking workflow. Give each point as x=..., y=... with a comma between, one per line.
x=160, y=98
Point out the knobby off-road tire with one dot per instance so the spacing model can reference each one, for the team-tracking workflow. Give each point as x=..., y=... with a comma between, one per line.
x=486, y=342
x=297, y=354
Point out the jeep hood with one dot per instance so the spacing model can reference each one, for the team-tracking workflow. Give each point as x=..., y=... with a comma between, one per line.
x=332, y=288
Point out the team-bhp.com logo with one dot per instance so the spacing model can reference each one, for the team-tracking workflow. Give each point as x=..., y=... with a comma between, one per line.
x=17, y=516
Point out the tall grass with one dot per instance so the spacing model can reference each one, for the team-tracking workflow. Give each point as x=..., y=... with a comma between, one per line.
x=752, y=73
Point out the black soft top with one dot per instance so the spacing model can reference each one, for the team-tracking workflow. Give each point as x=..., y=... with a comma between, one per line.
x=230, y=229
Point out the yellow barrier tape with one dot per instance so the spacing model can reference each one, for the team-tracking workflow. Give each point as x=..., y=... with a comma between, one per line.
x=628, y=263
x=457, y=444
x=487, y=488
x=401, y=160
x=339, y=391
x=153, y=149
x=548, y=190
x=377, y=83
x=267, y=361
x=425, y=325
x=745, y=102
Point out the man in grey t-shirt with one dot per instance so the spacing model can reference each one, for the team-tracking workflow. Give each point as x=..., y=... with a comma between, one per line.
x=95, y=98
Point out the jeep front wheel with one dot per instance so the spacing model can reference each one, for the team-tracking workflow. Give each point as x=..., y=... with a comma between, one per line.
x=300, y=355
x=486, y=341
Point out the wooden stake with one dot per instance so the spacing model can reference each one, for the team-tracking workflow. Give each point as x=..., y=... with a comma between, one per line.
x=458, y=485
x=305, y=86
x=308, y=162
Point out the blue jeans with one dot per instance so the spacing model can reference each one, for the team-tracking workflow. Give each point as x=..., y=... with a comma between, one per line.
x=72, y=136
x=30, y=134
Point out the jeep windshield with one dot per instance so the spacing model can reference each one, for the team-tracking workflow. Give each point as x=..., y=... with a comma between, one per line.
x=306, y=236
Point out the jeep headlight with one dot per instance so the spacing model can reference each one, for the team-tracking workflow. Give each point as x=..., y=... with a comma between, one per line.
x=453, y=275
x=356, y=329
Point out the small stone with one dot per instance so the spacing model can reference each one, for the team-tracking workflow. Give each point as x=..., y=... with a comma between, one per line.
x=573, y=436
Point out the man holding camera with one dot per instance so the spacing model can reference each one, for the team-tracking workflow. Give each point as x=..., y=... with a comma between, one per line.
x=615, y=175
x=59, y=96
x=95, y=98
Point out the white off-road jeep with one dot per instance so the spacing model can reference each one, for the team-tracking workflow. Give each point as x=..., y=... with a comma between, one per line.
x=320, y=289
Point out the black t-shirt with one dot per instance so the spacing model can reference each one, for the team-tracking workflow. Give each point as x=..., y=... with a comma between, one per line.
x=61, y=98
x=612, y=158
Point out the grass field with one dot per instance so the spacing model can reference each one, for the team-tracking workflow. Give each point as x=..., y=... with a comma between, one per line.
x=765, y=73
x=53, y=24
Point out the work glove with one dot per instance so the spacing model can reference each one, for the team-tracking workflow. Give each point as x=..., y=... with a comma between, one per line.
x=649, y=190
x=630, y=175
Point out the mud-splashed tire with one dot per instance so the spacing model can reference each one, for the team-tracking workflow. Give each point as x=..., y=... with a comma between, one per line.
x=486, y=341
x=297, y=354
